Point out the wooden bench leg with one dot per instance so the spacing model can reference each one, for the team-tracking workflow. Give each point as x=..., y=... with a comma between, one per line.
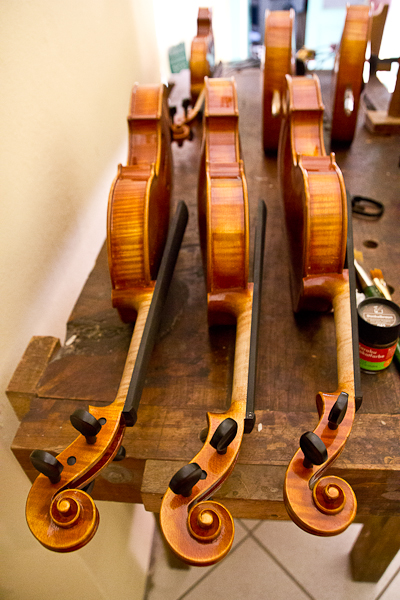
x=375, y=548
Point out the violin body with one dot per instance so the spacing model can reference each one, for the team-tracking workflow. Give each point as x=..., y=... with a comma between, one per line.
x=138, y=207
x=201, y=53
x=198, y=530
x=316, y=219
x=314, y=195
x=348, y=73
x=278, y=62
x=61, y=514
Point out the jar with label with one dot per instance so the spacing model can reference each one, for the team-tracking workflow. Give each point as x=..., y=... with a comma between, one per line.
x=378, y=329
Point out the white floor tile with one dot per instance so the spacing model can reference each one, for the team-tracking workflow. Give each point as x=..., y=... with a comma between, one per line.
x=248, y=573
x=165, y=583
x=249, y=524
x=393, y=590
x=320, y=564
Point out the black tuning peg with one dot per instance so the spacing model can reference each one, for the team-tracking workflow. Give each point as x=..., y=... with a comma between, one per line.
x=338, y=411
x=172, y=113
x=86, y=424
x=186, y=478
x=120, y=454
x=186, y=102
x=314, y=449
x=203, y=434
x=224, y=435
x=47, y=464
x=89, y=487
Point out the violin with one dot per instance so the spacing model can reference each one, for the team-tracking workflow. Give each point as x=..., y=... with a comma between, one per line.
x=348, y=73
x=198, y=530
x=202, y=59
x=278, y=62
x=319, y=236
x=60, y=511
x=180, y=128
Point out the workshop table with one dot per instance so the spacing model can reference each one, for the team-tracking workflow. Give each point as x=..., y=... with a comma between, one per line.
x=191, y=367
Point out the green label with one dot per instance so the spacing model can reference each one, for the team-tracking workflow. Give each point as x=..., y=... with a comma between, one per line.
x=372, y=366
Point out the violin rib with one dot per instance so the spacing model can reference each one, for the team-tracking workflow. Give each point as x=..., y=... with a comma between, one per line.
x=201, y=53
x=61, y=515
x=200, y=531
x=348, y=73
x=278, y=63
x=314, y=197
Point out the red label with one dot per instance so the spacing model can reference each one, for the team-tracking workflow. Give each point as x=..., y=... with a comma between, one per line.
x=376, y=354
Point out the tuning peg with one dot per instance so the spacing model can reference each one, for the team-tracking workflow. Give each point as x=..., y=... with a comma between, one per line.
x=338, y=411
x=224, y=435
x=89, y=487
x=47, y=464
x=172, y=113
x=186, y=102
x=186, y=478
x=120, y=454
x=314, y=449
x=86, y=424
x=203, y=434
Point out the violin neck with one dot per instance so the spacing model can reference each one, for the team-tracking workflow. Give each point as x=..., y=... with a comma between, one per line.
x=242, y=350
x=344, y=339
x=236, y=307
x=141, y=301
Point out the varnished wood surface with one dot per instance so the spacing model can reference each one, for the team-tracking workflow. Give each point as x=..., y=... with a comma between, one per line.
x=201, y=52
x=190, y=368
x=278, y=62
x=348, y=72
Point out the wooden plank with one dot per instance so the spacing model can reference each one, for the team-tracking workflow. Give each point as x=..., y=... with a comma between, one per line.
x=385, y=118
x=375, y=548
x=23, y=385
x=381, y=123
x=255, y=491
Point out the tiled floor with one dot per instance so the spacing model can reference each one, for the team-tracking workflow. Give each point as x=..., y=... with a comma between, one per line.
x=272, y=560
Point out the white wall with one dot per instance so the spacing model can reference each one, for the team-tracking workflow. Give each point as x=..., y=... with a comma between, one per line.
x=67, y=69
x=176, y=21
x=324, y=26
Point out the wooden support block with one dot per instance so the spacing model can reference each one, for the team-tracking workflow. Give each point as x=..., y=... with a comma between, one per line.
x=375, y=548
x=22, y=387
x=380, y=122
x=251, y=492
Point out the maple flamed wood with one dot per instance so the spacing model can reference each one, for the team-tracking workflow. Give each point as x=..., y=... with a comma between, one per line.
x=348, y=73
x=278, y=62
x=201, y=53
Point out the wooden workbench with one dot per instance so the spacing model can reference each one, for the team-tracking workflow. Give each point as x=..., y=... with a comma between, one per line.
x=191, y=367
